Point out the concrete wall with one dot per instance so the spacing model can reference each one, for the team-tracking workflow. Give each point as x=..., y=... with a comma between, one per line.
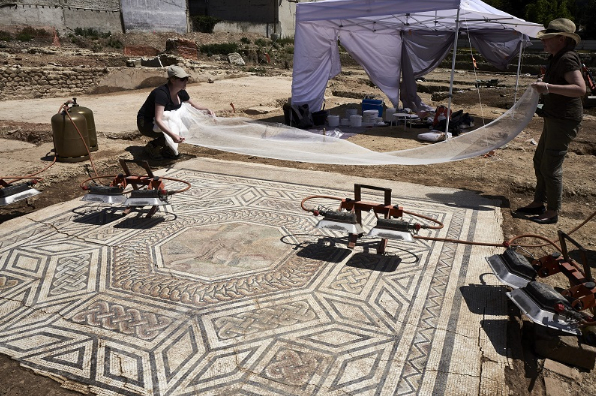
x=102, y=21
x=63, y=15
x=255, y=16
x=287, y=18
x=255, y=11
x=285, y=26
x=155, y=15
x=265, y=29
x=36, y=16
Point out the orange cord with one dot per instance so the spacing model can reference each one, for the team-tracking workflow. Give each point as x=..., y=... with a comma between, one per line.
x=507, y=243
x=31, y=176
x=65, y=107
x=188, y=185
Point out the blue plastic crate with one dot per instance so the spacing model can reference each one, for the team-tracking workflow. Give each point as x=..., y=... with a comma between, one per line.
x=373, y=104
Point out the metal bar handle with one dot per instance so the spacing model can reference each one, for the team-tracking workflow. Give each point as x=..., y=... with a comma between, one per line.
x=358, y=192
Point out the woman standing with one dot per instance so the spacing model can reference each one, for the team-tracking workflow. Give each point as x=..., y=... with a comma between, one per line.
x=167, y=97
x=562, y=89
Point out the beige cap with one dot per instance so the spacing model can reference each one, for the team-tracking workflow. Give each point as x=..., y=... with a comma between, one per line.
x=559, y=27
x=177, y=71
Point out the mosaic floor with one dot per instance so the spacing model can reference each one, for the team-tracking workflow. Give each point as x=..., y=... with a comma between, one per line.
x=231, y=290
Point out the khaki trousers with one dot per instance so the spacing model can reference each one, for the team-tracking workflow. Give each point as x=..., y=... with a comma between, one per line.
x=548, y=160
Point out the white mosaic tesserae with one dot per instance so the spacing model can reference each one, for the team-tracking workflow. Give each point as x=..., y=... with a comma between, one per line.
x=232, y=287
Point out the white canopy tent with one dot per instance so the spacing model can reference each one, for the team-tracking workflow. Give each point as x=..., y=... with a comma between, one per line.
x=396, y=40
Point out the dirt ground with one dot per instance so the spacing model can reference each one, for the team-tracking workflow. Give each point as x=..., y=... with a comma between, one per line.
x=506, y=174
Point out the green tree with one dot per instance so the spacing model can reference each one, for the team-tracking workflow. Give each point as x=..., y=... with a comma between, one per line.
x=544, y=11
x=513, y=7
x=581, y=12
x=584, y=18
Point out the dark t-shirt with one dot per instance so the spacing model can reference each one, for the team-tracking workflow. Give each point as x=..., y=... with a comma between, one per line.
x=160, y=96
x=559, y=106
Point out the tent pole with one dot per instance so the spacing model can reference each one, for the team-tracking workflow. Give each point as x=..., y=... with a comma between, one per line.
x=521, y=49
x=452, y=71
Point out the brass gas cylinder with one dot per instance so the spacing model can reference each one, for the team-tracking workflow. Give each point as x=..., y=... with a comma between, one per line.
x=76, y=108
x=67, y=142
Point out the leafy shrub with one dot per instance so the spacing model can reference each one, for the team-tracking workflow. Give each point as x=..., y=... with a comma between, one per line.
x=91, y=33
x=245, y=40
x=218, y=49
x=285, y=41
x=78, y=41
x=114, y=43
x=28, y=33
x=261, y=42
x=204, y=23
x=5, y=36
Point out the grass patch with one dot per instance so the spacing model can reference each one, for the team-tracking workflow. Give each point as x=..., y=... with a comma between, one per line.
x=91, y=33
x=5, y=36
x=285, y=41
x=218, y=49
x=28, y=33
x=261, y=42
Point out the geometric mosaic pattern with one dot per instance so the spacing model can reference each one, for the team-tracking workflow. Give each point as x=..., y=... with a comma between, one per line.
x=231, y=290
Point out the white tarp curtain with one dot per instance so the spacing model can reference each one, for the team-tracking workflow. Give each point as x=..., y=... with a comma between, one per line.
x=371, y=30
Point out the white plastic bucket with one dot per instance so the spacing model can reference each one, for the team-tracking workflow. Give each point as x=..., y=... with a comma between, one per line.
x=344, y=122
x=389, y=114
x=351, y=112
x=333, y=120
x=370, y=116
x=355, y=120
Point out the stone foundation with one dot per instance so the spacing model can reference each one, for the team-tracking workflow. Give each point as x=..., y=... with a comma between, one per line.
x=18, y=82
x=35, y=82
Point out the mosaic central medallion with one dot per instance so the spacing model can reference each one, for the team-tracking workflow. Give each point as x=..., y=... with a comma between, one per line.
x=223, y=250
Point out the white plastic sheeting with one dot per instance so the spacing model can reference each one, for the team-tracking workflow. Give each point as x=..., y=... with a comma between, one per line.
x=278, y=141
x=378, y=33
x=154, y=15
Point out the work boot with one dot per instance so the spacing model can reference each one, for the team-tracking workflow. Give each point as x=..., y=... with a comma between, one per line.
x=168, y=153
x=152, y=151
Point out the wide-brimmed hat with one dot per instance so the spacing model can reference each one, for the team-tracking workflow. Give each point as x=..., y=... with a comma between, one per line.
x=177, y=71
x=559, y=27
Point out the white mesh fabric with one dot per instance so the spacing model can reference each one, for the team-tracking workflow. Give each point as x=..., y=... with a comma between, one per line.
x=278, y=141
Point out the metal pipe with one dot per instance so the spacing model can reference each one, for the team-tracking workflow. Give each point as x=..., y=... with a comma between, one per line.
x=452, y=71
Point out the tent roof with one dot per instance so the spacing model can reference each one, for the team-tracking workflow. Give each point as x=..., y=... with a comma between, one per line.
x=434, y=15
x=395, y=41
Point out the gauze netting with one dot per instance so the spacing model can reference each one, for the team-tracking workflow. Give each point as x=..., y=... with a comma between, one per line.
x=278, y=141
